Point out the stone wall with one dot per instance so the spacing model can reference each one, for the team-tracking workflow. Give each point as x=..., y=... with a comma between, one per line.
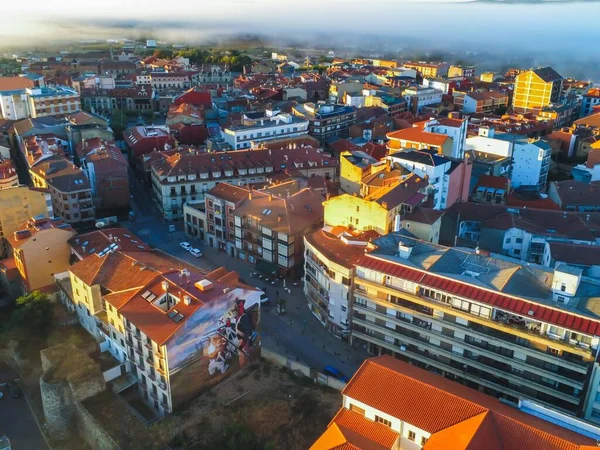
x=57, y=401
x=92, y=432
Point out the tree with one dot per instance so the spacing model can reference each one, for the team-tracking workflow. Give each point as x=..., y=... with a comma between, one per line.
x=32, y=315
x=501, y=110
x=118, y=123
x=163, y=53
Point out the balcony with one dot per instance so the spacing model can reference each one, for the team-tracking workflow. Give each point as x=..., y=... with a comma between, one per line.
x=510, y=333
x=160, y=370
x=480, y=373
x=424, y=327
x=316, y=300
x=152, y=376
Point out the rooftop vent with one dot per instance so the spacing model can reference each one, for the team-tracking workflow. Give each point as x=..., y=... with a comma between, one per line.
x=404, y=250
x=187, y=300
x=165, y=285
x=204, y=285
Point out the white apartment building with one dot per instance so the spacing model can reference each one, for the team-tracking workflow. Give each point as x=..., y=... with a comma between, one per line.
x=256, y=127
x=531, y=161
x=418, y=97
x=329, y=269
x=511, y=330
x=52, y=101
x=435, y=168
x=451, y=126
x=14, y=105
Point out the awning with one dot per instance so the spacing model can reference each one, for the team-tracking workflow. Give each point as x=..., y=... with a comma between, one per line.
x=266, y=267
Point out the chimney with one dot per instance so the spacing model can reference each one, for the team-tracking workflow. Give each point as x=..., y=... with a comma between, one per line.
x=270, y=197
x=279, y=218
x=250, y=195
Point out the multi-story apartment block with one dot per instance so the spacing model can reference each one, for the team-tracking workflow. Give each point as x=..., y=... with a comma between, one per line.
x=329, y=258
x=8, y=174
x=40, y=248
x=479, y=102
x=326, y=120
x=68, y=185
x=384, y=195
x=436, y=413
x=535, y=89
x=417, y=138
x=145, y=139
x=19, y=203
x=108, y=172
x=103, y=101
x=170, y=80
x=354, y=166
x=258, y=127
x=52, y=101
x=448, y=180
x=13, y=97
x=531, y=160
x=179, y=331
x=428, y=69
x=589, y=101
x=451, y=126
x=461, y=71
x=418, y=97
x=181, y=177
x=510, y=330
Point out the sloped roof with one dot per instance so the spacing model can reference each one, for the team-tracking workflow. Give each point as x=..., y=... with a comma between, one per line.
x=457, y=417
x=414, y=134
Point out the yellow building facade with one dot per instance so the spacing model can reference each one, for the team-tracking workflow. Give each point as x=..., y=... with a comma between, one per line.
x=358, y=214
x=535, y=89
x=17, y=204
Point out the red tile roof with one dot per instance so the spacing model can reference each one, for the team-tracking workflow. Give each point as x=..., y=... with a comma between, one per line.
x=351, y=430
x=499, y=300
x=457, y=417
x=15, y=83
x=416, y=135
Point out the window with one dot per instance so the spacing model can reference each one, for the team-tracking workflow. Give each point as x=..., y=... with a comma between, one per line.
x=423, y=440
x=383, y=421
x=412, y=436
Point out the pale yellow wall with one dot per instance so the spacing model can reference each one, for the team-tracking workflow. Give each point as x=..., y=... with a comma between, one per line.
x=45, y=254
x=531, y=91
x=17, y=205
x=342, y=210
x=88, y=295
x=425, y=232
x=350, y=175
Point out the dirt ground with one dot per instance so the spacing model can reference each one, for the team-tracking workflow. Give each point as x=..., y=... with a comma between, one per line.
x=285, y=411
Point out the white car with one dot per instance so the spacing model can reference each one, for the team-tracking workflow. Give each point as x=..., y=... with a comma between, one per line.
x=186, y=245
x=195, y=252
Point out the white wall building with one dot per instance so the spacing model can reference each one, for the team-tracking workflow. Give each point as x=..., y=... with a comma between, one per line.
x=436, y=168
x=14, y=105
x=531, y=161
x=453, y=127
x=274, y=125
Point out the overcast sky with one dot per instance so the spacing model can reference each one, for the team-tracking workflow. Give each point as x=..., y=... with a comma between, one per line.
x=551, y=25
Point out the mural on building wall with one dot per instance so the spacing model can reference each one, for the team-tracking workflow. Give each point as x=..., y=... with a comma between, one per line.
x=220, y=338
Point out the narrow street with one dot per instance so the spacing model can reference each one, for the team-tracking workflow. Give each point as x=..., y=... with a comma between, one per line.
x=296, y=333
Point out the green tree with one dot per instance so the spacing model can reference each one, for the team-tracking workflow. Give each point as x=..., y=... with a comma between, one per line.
x=163, y=53
x=32, y=314
x=501, y=110
x=118, y=123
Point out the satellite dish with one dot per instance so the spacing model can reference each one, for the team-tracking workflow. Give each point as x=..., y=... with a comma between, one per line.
x=100, y=224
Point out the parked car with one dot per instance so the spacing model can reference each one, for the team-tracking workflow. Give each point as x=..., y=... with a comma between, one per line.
x=264, y=298
x=195, y=252
x=186, y=245
x=335, y=373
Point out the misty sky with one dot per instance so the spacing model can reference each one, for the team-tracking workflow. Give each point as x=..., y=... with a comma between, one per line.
x=556, y=25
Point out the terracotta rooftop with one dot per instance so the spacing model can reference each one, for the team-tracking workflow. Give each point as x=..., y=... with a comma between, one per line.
x=340, y=244
x=415, y=135
x=96, y=241
x=33, y=226
x=15, y=83
x=457, y=417
x=577, y=193
x=350, y=430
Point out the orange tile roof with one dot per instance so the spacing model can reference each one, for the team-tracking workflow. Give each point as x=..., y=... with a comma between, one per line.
x=15, y=83
x=457, y=413
x=351, y=430
x=415, y=135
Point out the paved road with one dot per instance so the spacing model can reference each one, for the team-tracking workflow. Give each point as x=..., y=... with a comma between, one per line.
x=297, y=332
x=17, y=422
